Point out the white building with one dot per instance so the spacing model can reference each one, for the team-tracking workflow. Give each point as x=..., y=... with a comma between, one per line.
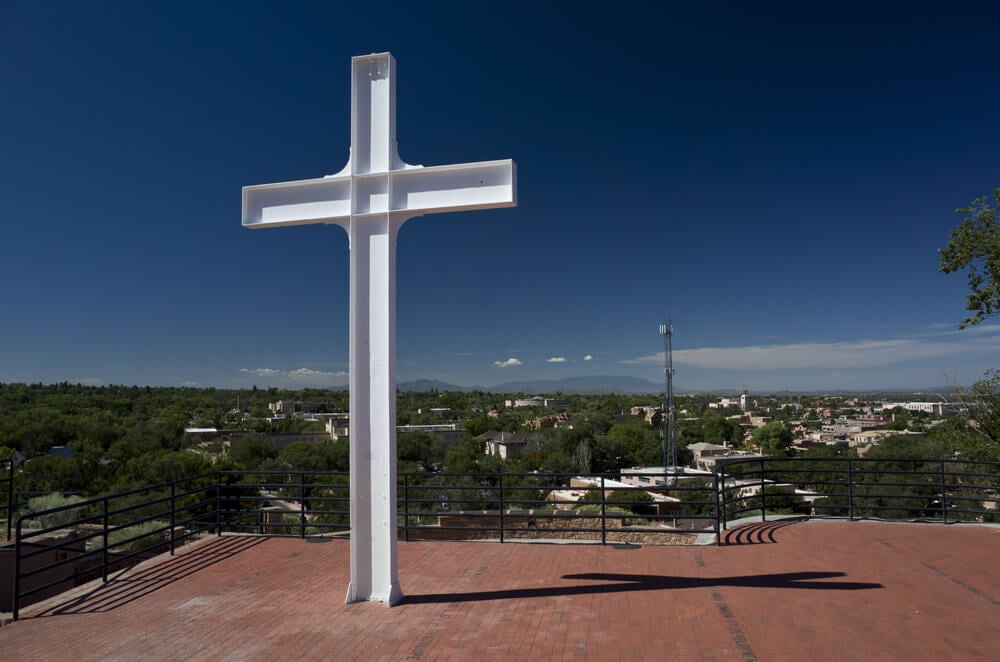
x=536, y=402
x=653, y=477
x=504, y=444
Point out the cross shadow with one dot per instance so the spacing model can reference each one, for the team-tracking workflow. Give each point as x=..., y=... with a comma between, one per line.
x=626, y=583
x=129, y=585
x=759, y=533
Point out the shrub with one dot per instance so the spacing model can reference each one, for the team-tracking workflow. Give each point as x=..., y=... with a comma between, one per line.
x=47, y=502
x=151, y=536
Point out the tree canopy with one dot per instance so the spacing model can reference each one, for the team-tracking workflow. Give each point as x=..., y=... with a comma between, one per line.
x=772, y=438
x=975, y=245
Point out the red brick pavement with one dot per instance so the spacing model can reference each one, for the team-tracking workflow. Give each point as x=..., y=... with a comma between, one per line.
x=819, y=590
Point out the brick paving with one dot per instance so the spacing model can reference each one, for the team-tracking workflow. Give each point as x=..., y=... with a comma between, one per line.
x=816, y=590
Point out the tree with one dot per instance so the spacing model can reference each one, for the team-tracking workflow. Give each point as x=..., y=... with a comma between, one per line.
x=423, y=449
x=900, y=419
x=975, y=245
x=250, y=451
x=772, y=438
x=978, y=437
x=636, y=443
x=303, y=456
x=718, y=430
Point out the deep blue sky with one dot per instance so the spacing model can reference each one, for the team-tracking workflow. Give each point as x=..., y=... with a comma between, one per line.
x=776, y=177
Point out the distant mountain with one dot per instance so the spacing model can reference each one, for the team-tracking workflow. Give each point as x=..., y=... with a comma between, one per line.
x=595, y=384
x=578, y=385
x=431, y=385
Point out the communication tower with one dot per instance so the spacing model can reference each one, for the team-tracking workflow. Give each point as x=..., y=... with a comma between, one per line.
x=669, y=431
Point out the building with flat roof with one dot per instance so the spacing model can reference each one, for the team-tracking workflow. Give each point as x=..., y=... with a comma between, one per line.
x=505, y=444
x=566, y=499
x=653, y=477
x=536, y=402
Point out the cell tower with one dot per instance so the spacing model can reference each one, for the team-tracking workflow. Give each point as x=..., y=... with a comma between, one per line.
x=669, y=431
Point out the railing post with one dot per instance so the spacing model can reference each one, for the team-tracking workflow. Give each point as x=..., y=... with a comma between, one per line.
x=763, y=502
x=724, y=497
x=406, y=508
x=17, y=570
x=10, y=495
x=604, y=515
x=173, y=514
x=850, y=489
x=218, y=503
x=500, y=486
x=944, y=500
x=718, y=509
x=104, y=551
x=302, y=502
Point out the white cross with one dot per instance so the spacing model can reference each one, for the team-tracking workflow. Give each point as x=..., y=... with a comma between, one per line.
x=371, y=198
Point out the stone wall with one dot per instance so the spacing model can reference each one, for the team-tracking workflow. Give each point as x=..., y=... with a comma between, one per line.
x=544, y=525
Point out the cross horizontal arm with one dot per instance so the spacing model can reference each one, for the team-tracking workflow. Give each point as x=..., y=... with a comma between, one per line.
x=483, y=185
x=322, y=200
x=401, y=193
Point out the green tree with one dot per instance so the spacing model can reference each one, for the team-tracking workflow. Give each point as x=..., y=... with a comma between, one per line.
x=422, y=449
x=977, y=434
x=303, y=456
x=250, y=451
x=635, y=443
x=975, y=245
x=772, y=438
x=900, y=419
x=717, y=430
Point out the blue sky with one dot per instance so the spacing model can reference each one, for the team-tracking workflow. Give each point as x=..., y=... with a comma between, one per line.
x=774, y=177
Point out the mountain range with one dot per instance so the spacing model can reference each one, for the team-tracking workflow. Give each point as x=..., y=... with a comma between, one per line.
x=578, y=385
x=600, y=384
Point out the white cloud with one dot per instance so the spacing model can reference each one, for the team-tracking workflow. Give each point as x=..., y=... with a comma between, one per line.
x=262, y=372
x=309, y=374
x=508, y=363
x=588, y=357
x=556, y=359
x=833, y=355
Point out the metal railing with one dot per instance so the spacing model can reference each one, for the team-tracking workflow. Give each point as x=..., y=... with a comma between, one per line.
x=296, y=503
x=57, y=548
x=599, y=508
x=944, y=490
x=60, y=547
x=467, y=505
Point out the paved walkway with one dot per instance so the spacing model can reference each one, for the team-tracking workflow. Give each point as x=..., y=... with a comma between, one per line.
x=817, y=590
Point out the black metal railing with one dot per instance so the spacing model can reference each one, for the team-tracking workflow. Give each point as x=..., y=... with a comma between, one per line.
x=554, y=505
x=297, y=503
x=57, y=548
x=945, y=490
x=60, y=547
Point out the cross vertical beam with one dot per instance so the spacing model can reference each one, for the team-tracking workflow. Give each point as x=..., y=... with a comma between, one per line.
x=373, y=412
x=371, y=198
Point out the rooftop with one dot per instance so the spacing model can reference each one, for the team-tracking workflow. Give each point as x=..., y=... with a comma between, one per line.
x=817, y=590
